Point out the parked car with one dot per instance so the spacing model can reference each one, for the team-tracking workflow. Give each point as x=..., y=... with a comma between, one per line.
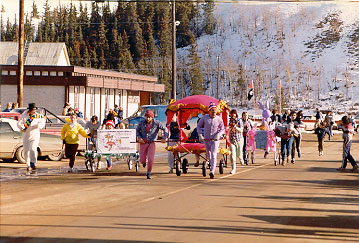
x=11, y=147
x=10, y=115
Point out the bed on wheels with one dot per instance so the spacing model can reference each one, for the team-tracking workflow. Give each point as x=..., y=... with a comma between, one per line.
x=186, y=109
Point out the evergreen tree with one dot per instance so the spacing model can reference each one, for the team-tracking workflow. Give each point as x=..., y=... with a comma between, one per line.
x=2, y=29
x=165, y=48
x=194, y=64
x=125, y=62
x=102, y=48
x=209, y=20
x=28, y=29
x=134, y=32
x=34, y=11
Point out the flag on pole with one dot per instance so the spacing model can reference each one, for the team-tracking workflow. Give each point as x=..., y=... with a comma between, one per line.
x=250, y=91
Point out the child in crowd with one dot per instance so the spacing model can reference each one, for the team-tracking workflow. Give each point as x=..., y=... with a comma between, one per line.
x=348, y=132
x=321, y=130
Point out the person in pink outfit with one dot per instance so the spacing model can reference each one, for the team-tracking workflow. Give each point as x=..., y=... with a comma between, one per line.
x=213, y=130
x=146, y=132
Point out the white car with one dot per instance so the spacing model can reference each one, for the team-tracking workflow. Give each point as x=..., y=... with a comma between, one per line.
x=11, y=147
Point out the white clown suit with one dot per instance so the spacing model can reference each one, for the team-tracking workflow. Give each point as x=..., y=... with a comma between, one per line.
x=30, y=126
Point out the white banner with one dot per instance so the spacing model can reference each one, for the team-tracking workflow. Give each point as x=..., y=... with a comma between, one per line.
x=116, y=141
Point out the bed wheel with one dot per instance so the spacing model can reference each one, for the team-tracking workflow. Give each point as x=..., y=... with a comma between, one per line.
x=185, y=166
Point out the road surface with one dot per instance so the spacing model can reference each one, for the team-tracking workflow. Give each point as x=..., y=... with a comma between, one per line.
x=308, y=201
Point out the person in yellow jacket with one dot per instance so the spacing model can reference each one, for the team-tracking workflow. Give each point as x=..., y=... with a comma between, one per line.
x=70, y=136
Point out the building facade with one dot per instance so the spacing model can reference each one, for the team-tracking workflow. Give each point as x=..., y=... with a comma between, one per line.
x=93, y=91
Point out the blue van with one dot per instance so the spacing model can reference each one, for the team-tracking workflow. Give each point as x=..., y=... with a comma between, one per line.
x=159, y=111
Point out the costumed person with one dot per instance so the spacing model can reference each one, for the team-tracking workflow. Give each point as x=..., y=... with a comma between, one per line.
x=30, y=124
x=236, y=140
x=247, y=125
x=70, y=136
x=146, y=132
x=348, y=132
x=266, y=118
x=173, y=139
x=213, y=130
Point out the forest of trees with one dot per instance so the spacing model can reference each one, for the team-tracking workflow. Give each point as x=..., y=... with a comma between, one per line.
x=133, y=37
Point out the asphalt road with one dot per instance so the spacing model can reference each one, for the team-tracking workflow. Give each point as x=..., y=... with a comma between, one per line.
x=308, y=201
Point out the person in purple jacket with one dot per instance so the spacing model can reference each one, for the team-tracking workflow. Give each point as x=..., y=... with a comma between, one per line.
x=146, y=132
x=213, y=130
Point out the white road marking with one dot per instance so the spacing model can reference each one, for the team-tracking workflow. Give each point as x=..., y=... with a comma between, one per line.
x=199, y=184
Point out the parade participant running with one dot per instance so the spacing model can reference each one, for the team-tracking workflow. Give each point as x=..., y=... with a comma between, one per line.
x=146, y=132
x=213, y=130
x=30, y=124
x=70, y=136
x=348, y=132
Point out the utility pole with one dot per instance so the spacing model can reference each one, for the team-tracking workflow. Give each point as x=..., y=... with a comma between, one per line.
x=218, y=77
x=173, y=50
x=20, y=63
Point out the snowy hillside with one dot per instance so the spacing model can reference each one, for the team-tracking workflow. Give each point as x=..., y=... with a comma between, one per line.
x=310, y=47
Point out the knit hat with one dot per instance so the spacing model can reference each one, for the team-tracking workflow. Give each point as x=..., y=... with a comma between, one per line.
x=211, y=106
x=110, y=123
x=149, y=113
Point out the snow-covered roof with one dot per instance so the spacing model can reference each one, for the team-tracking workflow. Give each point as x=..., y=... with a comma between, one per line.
x=43, y=54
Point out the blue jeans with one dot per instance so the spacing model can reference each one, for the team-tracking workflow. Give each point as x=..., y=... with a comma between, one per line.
x=347, y=156
x=286, y=145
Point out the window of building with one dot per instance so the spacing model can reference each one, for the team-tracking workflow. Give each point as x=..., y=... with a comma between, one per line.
x=107, y=100
x=37, y=73
x=4, y=72
x=92, y=101
x=53, y=73
x=76, y=97
x=60, y=74
x=28, y=73
x=12, y=73
x=45, y=73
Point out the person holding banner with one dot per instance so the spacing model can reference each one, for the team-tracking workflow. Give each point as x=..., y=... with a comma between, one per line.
x=213, y=129
x=30, y=124
x=146, y=132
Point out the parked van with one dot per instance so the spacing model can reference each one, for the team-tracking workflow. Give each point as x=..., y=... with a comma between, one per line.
x=139, y=115
x=160, y=115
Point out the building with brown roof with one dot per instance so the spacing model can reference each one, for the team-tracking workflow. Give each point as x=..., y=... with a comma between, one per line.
x=93, y=91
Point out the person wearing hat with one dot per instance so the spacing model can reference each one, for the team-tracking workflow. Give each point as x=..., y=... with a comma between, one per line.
x=70, y=136
x=213, y=129
x=146, y=133
x=30, y=124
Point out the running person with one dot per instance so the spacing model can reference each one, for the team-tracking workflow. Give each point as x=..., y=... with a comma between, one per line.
x=146, y=132
x=213, y=130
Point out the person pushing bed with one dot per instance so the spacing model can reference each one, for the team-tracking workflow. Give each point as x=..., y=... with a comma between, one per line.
x=213, y=129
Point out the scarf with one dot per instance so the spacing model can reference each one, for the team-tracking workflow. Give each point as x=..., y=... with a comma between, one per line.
x=31, y=118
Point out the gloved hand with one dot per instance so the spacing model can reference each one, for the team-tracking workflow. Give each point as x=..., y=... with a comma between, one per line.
x=201, y=138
